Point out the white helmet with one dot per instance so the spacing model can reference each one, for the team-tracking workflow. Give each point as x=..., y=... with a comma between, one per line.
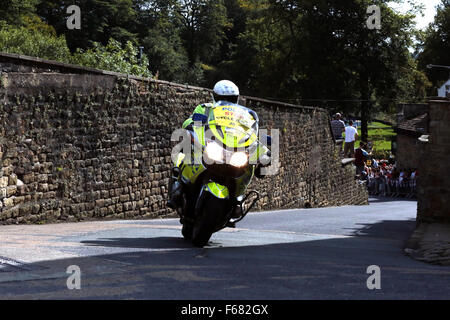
x=226, y=88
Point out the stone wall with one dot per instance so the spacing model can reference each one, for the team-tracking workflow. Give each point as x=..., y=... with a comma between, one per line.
x=433, y=189
x=406, y=111
x=408, y=151
x=311, y=174
x=92, y=145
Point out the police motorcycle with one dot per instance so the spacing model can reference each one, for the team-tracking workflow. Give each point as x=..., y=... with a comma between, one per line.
x=225, y=154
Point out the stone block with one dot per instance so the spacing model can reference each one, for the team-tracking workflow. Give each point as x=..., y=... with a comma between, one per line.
x=4, y=182
x=12, y=181
x=8, y=202
x=11, y=190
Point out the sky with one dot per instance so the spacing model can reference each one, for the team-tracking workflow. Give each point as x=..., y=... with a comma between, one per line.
x=429, y=12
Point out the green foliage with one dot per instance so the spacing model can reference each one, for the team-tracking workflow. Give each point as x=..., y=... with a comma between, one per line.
x=34, y=43
x=436, y=47
x=162, y=40
x=113, y=57
x=44, y=44
x=413, y=84
x=381, y=137
x=321, y=53
x=313, y=52
x=167, y=55
x=100, y=21
x=14, y=12
x=203, y=24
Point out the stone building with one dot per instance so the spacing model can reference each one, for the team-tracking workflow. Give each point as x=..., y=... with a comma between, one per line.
x=412, y=122
x=433, y=191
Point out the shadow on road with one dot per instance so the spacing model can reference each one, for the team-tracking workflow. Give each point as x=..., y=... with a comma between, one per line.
x=333, y=268
x=387, y=229
x=378, y=199
x=395, y=230
x=142, y=243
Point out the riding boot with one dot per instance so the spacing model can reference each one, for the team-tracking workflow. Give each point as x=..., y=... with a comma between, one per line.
x=175, y=190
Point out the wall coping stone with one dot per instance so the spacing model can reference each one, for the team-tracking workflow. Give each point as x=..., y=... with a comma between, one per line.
x=61, y=67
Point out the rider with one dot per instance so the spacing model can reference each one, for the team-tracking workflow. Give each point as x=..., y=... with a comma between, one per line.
x=224, y=90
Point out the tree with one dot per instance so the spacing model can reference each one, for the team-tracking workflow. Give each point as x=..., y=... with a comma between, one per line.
x=100, y=21
x=167, y=54
x=322, y=53
x=203, y=22
x=254, y=50
x=315, y=52
x=436, y=47
x=160, y=31
x=13, y=12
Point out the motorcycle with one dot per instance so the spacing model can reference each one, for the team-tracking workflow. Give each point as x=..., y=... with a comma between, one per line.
x=225, y=154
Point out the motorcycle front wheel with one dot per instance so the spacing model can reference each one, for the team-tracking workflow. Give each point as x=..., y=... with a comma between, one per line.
x=188, y=225
x=212, y=217
x=187, y=230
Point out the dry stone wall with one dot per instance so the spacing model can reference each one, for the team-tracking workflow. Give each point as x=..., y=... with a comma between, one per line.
x=81, y=145
x=310, y=174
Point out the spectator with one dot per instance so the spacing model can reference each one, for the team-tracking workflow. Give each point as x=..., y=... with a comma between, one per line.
x=375, y=163
x=387, y=180
x=412, y=183
x=360, y=156
x=351, y=135
x=401, y=176
x=391, y=159
x=338, y=126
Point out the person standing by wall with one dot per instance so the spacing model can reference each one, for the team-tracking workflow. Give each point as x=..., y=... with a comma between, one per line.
x=351, y=135
x=338, y=128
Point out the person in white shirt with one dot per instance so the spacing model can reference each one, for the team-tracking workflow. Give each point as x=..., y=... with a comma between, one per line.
x=351, y=135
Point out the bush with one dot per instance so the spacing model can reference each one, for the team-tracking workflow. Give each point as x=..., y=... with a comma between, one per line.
x=40, y=40
x=381, y=154
x=33, y=42
x=113, y=57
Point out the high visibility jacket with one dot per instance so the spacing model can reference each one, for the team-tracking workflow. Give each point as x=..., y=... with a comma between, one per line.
x=201, y=109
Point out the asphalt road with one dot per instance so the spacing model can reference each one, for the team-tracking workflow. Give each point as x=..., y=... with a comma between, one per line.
x=291, y=254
